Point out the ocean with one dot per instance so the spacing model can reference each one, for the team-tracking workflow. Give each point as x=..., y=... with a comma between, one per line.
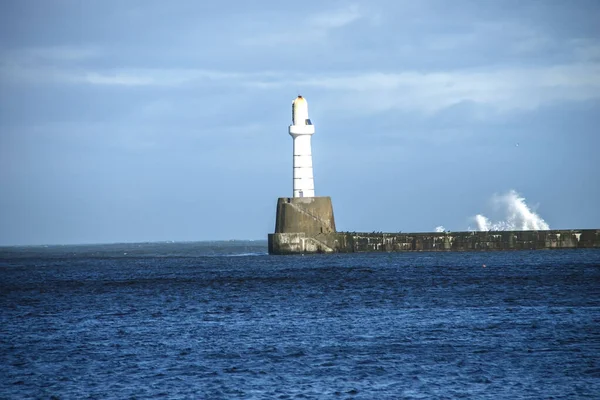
x=224, y=320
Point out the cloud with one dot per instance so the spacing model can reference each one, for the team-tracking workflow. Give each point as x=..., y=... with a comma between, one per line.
x=152, y=77
x=380, y=85
x=13, y=72
x=51, y=54
x=586, y=49
x=302, y=31
x=121, y=79
x=501, y=89
x=335, y=19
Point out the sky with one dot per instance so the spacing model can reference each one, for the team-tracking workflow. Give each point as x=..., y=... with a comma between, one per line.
x=133, y=121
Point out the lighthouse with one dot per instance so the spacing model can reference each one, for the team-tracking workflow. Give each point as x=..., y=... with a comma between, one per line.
x=301, y=131
x=304, y=223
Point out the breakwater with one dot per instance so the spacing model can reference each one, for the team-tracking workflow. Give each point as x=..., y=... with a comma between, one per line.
x=355, y=242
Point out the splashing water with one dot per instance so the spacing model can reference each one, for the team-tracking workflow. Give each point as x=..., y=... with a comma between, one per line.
x=440, y=229
x=518, y=215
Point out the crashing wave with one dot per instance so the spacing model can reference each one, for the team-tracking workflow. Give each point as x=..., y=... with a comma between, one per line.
x=518, y=216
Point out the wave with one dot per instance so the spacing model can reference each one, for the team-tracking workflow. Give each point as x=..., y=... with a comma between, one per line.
x=517, y=215
x=260, y=253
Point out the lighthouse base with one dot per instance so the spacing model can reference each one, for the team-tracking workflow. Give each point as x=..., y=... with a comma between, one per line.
x=303, y=225
x=301, y=243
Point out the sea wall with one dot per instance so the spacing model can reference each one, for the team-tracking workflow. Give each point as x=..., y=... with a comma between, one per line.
x=350, y=242
x=473, y=241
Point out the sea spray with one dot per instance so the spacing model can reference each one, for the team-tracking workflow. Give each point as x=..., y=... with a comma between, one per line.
x=518, y=215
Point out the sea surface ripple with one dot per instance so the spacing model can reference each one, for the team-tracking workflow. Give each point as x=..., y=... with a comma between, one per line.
x=224, y=320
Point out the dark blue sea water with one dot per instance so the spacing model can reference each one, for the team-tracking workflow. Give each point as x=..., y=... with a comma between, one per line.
x=226, y=321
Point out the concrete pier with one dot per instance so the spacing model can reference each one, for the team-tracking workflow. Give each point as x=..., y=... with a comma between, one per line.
x=354, y=242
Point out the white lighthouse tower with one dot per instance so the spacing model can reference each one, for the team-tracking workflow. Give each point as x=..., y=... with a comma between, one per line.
x=301, y=131
x=304, y=223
